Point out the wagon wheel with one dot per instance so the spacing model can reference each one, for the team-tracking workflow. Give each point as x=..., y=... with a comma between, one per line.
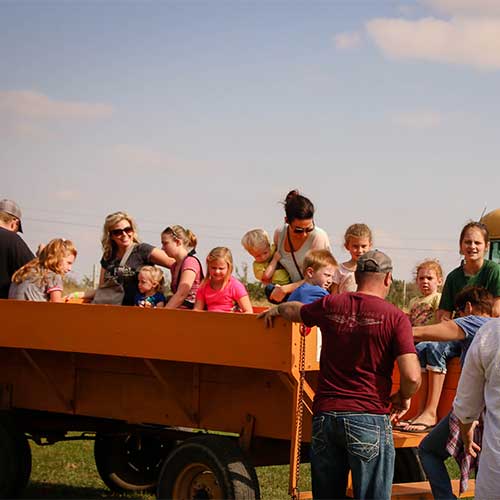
x=130, y=462
x=207, y=467
x=407, y=467
x=15, y=459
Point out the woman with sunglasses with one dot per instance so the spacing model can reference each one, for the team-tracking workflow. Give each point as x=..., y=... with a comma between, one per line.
x=294, y=240
x=119, y=233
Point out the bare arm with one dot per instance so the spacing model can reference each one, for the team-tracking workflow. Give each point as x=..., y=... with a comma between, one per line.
x=496, y=308
x=271, y=267
x=199, y=305
x=410, y=378
x=287, y=310
x=245, y=304
x=442, y=315
x=160, y=258
x=55, y=296
x=186, y=282
x=446, y=330
x=281, y=291
x=467, y=434
x=410, y=374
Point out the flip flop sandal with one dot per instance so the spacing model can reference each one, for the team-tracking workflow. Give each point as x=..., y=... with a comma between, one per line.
x=402, y=424
x=422, y=428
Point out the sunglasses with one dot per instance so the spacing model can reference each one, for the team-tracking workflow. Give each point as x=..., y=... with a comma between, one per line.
x=301, y=230
x=118, y=232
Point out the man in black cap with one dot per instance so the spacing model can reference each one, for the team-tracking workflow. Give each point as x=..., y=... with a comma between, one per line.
x=14, y=252
x=362, y=337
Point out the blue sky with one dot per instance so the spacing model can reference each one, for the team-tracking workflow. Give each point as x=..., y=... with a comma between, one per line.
x=205, y=114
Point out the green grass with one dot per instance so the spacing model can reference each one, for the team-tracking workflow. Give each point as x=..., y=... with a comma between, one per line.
x=67, y=470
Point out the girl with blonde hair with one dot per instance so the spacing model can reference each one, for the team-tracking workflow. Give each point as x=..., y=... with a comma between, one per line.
x=150, y=283
x=41, y=279
x=220, y=291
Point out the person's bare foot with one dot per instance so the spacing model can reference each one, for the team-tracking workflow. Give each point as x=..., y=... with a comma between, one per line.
x=421, y=422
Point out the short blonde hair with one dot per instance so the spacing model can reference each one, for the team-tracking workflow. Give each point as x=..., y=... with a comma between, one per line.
x=358, y=230
x=430, y=264
x=108, y=245
x=156, y=275
x=316, y=259
x=255, y=238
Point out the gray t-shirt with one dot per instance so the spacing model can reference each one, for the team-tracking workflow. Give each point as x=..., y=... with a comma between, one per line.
x=32, y=288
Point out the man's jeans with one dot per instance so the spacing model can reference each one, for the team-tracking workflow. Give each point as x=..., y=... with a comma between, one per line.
x=360, y=442
x=432, y=453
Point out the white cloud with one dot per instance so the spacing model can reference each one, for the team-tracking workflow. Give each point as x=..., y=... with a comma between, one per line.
x=347, y=40
x=420, y=119
x=465, y=7
x=34, y=105
x=470, y=41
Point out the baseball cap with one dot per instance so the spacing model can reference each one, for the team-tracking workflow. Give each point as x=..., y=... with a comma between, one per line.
x=12, y=208
x=374, y=261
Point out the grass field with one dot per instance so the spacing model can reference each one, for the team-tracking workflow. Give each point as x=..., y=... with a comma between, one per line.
x=67, y=470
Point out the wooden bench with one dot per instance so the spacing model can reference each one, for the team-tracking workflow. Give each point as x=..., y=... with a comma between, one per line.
x=422, y=490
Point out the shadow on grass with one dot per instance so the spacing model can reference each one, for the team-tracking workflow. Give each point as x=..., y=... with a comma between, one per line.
x=40, y=489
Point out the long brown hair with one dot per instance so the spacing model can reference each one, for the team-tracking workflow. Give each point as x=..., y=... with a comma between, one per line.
x=298, y=207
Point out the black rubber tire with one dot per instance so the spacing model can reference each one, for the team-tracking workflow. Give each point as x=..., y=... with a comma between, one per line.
x=15, y=459
x=130, y=462
x=211, y=461
x=407, y=468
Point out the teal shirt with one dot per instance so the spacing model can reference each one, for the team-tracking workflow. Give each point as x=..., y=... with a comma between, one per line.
x=488, y=277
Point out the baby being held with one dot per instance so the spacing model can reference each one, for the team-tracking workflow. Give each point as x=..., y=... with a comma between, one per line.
x=266, y=267
x=150, y=284
x=318, y=271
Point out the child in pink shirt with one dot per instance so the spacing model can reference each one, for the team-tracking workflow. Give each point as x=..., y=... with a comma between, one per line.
x=220, y=291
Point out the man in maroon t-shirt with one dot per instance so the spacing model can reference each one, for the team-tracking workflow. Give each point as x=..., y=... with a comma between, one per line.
x=362, y=337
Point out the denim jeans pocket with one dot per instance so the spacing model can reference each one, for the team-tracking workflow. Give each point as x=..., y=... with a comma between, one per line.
x=318, y=442
x=362, y=439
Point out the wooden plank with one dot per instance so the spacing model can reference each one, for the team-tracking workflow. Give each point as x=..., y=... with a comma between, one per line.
x=178, y=335
x=422, y=490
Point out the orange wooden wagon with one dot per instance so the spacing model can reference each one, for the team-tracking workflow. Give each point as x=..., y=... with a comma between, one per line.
x=185, y=402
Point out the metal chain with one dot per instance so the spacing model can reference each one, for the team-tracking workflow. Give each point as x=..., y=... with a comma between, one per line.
x=300, y=403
